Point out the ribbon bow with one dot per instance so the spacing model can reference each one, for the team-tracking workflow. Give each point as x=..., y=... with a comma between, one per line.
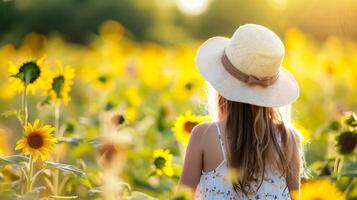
x=249, y=79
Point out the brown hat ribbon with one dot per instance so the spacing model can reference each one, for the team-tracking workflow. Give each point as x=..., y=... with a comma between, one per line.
x=249, y=79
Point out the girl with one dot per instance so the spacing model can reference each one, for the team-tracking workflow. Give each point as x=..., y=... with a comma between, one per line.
x=250, y=152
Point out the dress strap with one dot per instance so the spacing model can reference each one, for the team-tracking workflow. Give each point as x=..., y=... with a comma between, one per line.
x=221, y=140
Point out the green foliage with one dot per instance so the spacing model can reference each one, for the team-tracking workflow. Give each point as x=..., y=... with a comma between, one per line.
x=65, y=168
x=14, y=160
x=47, y=17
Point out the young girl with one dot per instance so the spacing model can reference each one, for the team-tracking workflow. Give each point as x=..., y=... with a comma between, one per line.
x=250, y=152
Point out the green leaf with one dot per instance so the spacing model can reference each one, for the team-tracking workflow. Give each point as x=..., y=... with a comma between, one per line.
x=351, y=120
x=63, y=197
x=8, y=195
x=352, y=173
x=14, y=160
x=33, y=195
x=95, y=192
x=10, y=113
x=85, y=181
x=335, y=126
x=349, y=169
x=70, y=140
x=45, y=101
x=135, y=195
x=65, y=168
x=95, y=142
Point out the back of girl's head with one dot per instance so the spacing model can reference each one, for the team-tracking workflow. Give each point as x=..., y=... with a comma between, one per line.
x=256, y=138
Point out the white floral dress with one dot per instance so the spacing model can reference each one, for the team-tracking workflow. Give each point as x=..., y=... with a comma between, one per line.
x=213, y=184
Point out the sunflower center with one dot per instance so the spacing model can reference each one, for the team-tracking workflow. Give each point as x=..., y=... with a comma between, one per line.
x=35, y=141
x=103, y=79
x=347, y=142
x=57, y=85
x=159, y=162
x=188, y=126
x=188, y=86
x=29, y=72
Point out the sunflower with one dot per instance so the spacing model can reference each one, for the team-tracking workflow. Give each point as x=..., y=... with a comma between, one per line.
x=38, y=140
x=61, y=83
x=184, y=125
x=31, y=73
x=351, y=119
x=162, y=162
x=347, y=142
x=103, y=82
x=319, y=189
x=111, y=31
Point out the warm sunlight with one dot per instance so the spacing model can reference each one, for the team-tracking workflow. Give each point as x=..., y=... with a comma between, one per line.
x=178, y=99
x=278, y=4
x=193, y=7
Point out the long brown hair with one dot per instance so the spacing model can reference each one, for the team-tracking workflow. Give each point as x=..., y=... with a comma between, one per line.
x=256, y=138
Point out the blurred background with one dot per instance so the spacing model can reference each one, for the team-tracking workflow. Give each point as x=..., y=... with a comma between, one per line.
x=172, y=22
x=133, y=63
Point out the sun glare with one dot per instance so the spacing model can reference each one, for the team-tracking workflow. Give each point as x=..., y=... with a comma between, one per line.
x=192, y=7
x=278, y=4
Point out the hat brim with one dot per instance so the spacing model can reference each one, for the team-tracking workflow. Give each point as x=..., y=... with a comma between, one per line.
x=208, y=59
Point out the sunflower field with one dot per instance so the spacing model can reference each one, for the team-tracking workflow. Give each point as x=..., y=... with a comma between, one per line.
x=110, y=120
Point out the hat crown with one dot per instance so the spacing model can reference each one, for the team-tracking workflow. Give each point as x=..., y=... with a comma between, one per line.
x=256, y=50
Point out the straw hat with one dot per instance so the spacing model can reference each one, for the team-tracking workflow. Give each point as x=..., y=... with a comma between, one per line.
x=247, y=67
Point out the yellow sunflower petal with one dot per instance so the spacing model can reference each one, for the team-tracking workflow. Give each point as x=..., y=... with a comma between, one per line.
x=43, y=156
x=26, y=151
x=51, y=149
x=168, y=171
x=159, y=172
x=35, y=156
x=184, y=124
x=29, y=127
x=20, y=144
x=49, y=129
x=35, y=124
x=40, y=61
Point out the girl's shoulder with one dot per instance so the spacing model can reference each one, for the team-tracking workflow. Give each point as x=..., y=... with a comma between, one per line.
x=205, y=129
x=204, y=133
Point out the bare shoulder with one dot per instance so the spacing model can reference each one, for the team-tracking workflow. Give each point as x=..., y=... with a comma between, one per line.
x=203, y=136
x=203, y=129
x=200, y=131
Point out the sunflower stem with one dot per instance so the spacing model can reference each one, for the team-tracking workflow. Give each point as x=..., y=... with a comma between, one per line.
x=335, y=165
x=56, y=174
x=29, y=175
x=56, y=182
x=24, y=106
x=36, y=175
x=340, y=165
x=350, y=185
x=57, y=119
x=63, y=183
